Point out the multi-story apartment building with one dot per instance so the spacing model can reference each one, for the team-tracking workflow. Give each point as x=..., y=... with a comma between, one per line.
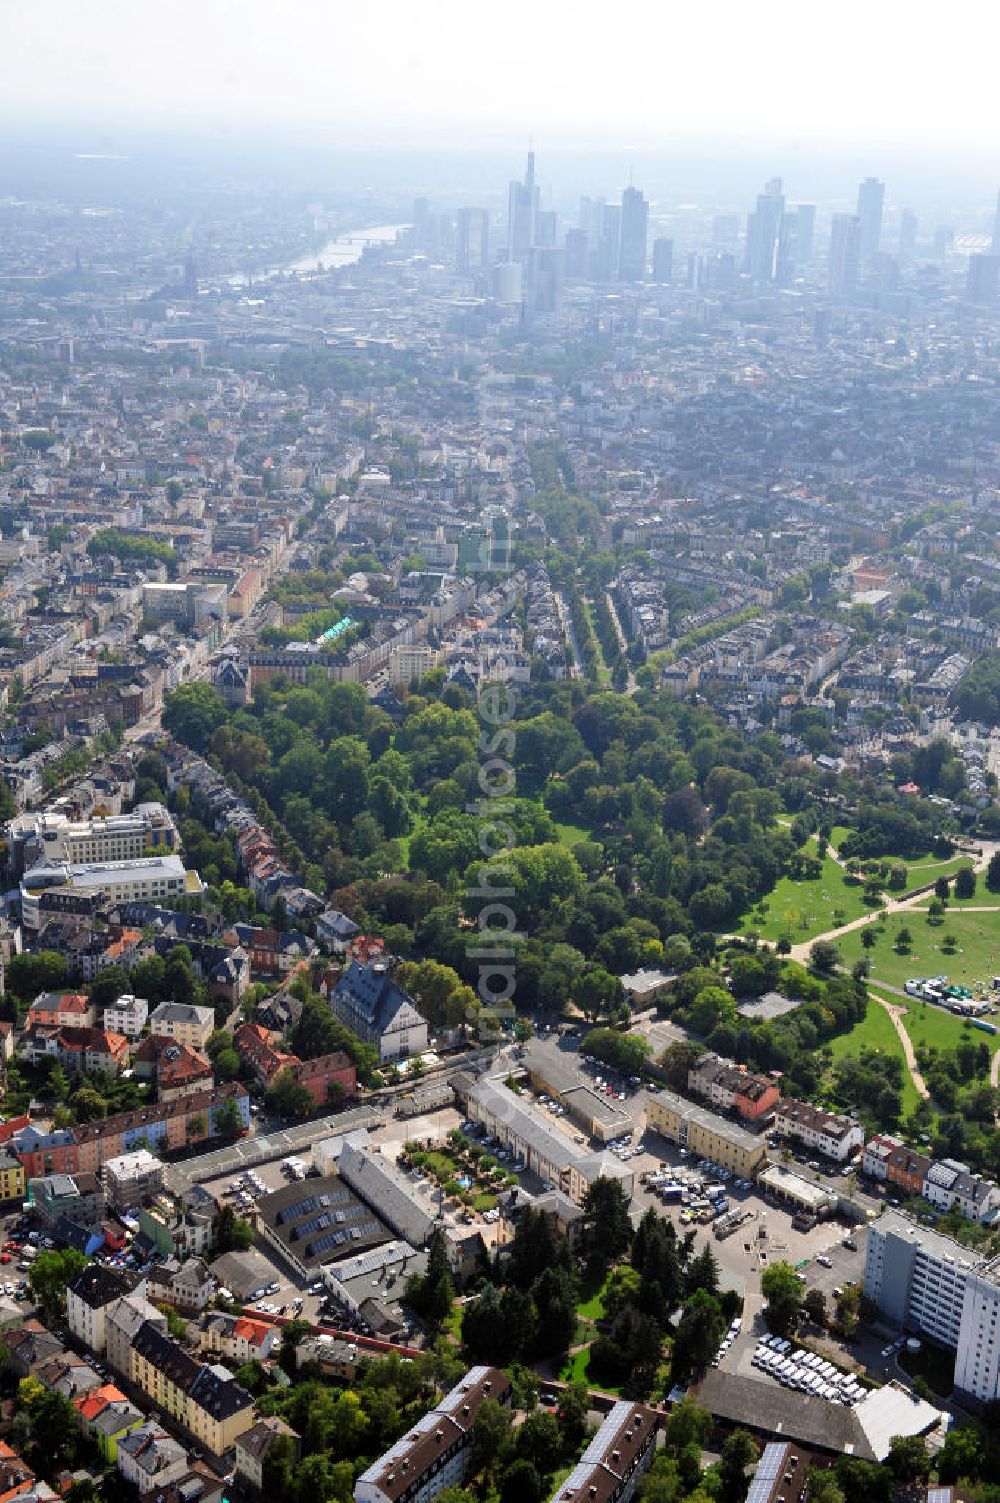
x=122, y=1321
x=924, y=1282
x=616, y=1458
x=949, y=1186
x=183, y=1022
x=254, y=1446
x=132, y=1178
x=207, y=1402
x=52, y=836
x=61, y=1010
x=705, y=1133
x=433, y=1454
x=89, y=1145
x=726, y=1085
x=943, y=1183
x=547, y=1152
x=89, y=1298
x=148, y=879
x=188, y=1286
x=835, y=1136
x=12, y=1181
x=150, y=1458
x=78, y=1050
x=127, y=1015
x=238, y=1338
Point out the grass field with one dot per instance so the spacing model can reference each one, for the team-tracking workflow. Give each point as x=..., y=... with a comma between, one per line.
x=800, y=910
x=603, y=671
x=976, y=959
x=570, y=834
x=930, y=1025
x=981, y=898
x=923, y=869
x=875, y=1031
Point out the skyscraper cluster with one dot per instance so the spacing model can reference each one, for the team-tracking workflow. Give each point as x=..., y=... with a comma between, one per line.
x=610, y=244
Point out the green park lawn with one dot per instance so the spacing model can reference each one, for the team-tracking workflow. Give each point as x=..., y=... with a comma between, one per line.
x=929, y=868
x=570, y=834
x=800, y=910
x=981, y=898
x=923, y=869
x=976, y=959
x=927, y=1024
x=603, y=671
x=875, y=1031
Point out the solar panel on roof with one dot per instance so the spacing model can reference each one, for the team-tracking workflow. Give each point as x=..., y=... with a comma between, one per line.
x=766, y=1475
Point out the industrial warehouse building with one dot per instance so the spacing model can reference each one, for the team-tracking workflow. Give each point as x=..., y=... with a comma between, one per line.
x=314, y=1221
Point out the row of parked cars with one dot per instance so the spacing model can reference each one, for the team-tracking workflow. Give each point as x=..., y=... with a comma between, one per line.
x=247, y=1188
x=808, y=1372
x=727, y=1341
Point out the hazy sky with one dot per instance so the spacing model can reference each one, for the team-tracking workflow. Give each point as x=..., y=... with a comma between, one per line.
x=879, y=71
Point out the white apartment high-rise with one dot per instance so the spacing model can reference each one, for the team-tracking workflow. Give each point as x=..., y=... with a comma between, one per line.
x=871, y=196
x=924, y=1282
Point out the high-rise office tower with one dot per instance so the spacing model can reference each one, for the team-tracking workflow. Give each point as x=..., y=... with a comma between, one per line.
x=609, y=247
x=577, y=244
x=871, y=196
x=726, y=232
x=845, y=253
x=546, y=228
x=421, y=215
x=805, y=230
x=907, y=233
x=983, y=279
x=995, y=247
x=795, y=242
x=764, y=232
x=522, y=212
x=546, y=279
x=944, y=237
x=472, y=241
x=591, y=216
x=663, y=260
x=634, y=233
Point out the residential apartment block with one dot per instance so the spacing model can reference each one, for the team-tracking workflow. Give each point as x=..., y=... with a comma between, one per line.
x=943, y=1183
x=547, y=1152
x=89, y=1145
x=146, y=880
x=183, y=1022
x=616, y=1458
x=127, y=1015
x=704, y=1133
x=835, y=1136
x=433, y=1454
x=207, y=1401
x=726, y=1085
x=37, y=839
x=923, y=1282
